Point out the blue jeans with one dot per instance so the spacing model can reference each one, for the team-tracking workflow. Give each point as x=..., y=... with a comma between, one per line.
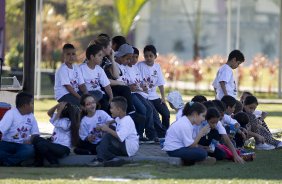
x=189, y=155
x=144, y=107
x=12, y=154
x=163, y=110
x=70, y=99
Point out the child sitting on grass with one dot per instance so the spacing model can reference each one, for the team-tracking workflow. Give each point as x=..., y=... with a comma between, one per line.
x=123, y=141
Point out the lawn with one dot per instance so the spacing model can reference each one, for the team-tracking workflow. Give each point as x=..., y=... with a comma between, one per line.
x=266, y=168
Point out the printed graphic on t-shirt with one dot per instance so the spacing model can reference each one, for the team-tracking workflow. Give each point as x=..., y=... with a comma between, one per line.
x=22, y=131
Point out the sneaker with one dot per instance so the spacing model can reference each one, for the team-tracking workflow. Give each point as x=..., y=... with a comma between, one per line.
x=207, y=161
x=279, y=145
x=115, y=162
x=264, y=146
x=248, y=156
x=96, y=163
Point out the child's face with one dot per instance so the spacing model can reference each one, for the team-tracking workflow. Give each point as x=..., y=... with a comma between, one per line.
x=69, y=56
x=134, y=59
x=28, y=108
x=213, y=122
x=198, y=118
x=235, y=63
x=230, y=110
x=116, y=111
x=243, y=97
x=90, y=105
x=149, y=57
x=250, y=108
x=97, y=59
x=125, y=60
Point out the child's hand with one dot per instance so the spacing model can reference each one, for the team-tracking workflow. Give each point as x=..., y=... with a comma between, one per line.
x=144, y=87
x=133, y=87
x=61, y=106
x=205, y=130
x=263, y=115
x=237, y=125
x=103, y=127
x=91, y=138
x=163, y=101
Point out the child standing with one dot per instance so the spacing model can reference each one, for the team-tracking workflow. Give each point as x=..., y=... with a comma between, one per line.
x=224, y=83
x=152, y=75
x=123, y=141
x=90, y=136
x=17, y=129
x=68, y=78
x=65, y=134
x=95, y=77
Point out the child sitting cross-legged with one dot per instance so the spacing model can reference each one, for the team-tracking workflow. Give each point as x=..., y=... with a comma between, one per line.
x=123, y=141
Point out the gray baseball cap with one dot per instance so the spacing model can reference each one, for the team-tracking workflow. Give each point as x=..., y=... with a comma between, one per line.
x=123, y=50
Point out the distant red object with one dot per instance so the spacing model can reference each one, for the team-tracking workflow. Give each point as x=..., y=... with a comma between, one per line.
x=4, y=107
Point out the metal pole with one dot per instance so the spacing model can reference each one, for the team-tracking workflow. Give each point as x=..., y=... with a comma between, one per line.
x=280, y=54
x=228, y=39
x=238, y=24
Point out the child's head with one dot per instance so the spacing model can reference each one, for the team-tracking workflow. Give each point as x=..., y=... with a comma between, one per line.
x=235, y=58
x=24, y=101
x=175, y=100
x=238, y=107
x=135, y=56
x=118, y=106
x=105, y=43
x=150, y=54
x=199, y=98
x=244, y=95
x=242, y=118
x=117, y=41
x=124, y=54
x=212, y=116
x=72, y=112
x=250, y=104
x=220, y=106
x=195, y=111
x=69, y=54
x=94, y=54
x=208, y=104
x=88, y=104
x=230, y=103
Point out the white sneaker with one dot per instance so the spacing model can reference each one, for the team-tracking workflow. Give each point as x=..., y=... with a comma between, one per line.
x=264, y=146
x=279, y=145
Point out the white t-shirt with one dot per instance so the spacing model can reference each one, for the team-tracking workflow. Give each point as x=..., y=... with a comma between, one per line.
x=225, y=73
x=124, y=75
x=221, y=130
x=179, y=135
x=67, y=76
x=126, y=132
x=93, y=78
x=228, y=120
x=61, y=133
x=18, y=128
x=153, y=76
x=134, y=77
x=88, y=125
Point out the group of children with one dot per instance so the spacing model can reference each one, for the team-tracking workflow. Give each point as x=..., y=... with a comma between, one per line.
x=108, y=105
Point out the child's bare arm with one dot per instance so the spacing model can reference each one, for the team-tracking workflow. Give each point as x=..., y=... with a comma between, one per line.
x=52, y=111
x=223, y=87
x=72, y=91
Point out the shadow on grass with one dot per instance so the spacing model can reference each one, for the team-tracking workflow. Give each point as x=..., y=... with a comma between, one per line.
x=267, y=166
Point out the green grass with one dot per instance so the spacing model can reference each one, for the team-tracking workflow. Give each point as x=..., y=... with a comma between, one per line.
x=265, y=169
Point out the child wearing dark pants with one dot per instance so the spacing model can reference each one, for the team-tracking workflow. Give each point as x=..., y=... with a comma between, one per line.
x=120, y=142
x=65, y=135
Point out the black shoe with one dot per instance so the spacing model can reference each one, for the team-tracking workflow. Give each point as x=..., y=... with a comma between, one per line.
x=115, y=162
x=81, y=151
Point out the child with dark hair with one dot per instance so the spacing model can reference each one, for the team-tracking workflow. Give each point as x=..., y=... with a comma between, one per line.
x=95, y=77
x=227, y=120
x=117, y=41
x=123, y=141
x=89, y=135
x=179, y=141
x=17, y=129
x=238, y=107
x=224, y=83
x=68, y=78
x=264, y=139
x=65, y=134
x=199, y=98
x=152, y=75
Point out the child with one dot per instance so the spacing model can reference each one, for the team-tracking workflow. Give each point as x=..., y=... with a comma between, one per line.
x=224, y=83
x=90, y=136
x=120, y=142
x=175, y=102
x=262, y=135
x=95, y=77
x=179, y=141
x=68, y=79
x=152, y=75
x=17, y=129
x=65, y=135
x=199, y=98
x=117, y=41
